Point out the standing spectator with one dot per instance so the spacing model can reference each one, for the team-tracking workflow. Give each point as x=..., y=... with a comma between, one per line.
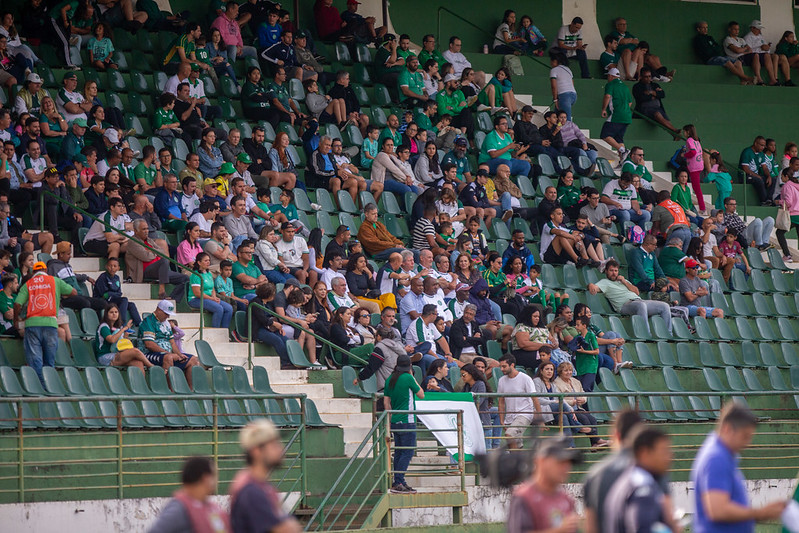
x=570, y=41
x=61, y=17
x=789, y=201
x=695, y=159
x=720, y=496
x=619, y=102
x=564, y=95
x=516, y=413
x=400, y=389
x=230, y=31
x=757, y=232
x=711, y=53
x=624, y=296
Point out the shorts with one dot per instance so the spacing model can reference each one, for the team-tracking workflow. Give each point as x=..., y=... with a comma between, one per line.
x=294, y=270
x=106, y=359
x=34, y=239
x=747, y=59
x=719, y=61
x=62, y=317
x=614, y=130
x=554, y=258
x=96, y=247
x=693, y=310
x=515, y=430
x=158, y=359
x=5, y=76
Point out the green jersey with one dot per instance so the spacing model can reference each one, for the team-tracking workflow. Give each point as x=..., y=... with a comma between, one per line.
x=158, y=332
x=402, y=394
x=620, y=101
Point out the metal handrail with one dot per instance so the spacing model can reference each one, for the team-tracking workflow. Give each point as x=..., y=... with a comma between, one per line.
x=330, y=345
x=83, y=212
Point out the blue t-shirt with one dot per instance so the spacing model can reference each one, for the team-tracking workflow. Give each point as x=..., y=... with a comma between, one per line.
x=716, y=468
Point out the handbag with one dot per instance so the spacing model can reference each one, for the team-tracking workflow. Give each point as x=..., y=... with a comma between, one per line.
x=783, y=221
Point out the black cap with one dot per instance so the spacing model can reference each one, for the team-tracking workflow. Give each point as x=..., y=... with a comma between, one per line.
x=558, y=447
x=403, y=364
x=528, y=109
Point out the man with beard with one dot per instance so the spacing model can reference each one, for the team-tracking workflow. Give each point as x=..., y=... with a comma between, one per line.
x=254, y=502
x=410, y=84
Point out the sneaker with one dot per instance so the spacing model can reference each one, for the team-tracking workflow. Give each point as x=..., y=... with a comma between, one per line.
x=787, y=259
x=616, y=368
x=601, y=443
x=602, y=265
x=789, y=83
x=398, y=488
x=317, y=366
x=507, y=215
x=583, y=262
x=596, y=264
x=409, y=489
x=74, y=68
x=316, y=207
x=626, y=364
x=236, y=337
x=74, y=40
x=664, y=79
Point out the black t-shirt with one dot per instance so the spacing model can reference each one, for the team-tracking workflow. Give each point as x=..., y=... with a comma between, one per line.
x=253, y=512
x=194, y=118
x=335, y=247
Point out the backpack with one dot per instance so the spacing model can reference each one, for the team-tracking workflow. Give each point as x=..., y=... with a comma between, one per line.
x=635, y=234
x=513, y=64
x=678, y=161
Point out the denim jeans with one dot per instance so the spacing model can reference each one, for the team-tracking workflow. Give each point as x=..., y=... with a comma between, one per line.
x=383, y=256
x=587, y=381
x=566, y=101
x=759, y=230
x=41, y=344
x=276, y=276
x=246, y=51
x=236, y=241
x=497, y=310
x=683, y=234
x=392, y=185
x=494, y=432
x=625, y=215
x=222, y=311
x=517, y=166
x=404, y=444
x=647, y=308
x=278, y=342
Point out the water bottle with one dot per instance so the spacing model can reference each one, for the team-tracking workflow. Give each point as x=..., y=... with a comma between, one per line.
x=485, y=48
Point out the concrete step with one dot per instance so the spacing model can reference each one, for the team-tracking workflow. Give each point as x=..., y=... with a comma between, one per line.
x=338, y=405
x=211, y=335
x=84, y=264
x=298, y=384
x=137, y=291
x=347, y=420
x=438, y=481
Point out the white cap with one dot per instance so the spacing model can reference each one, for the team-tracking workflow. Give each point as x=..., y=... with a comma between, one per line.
x=34, y=78
x=257, y=434
x=614, y=72
x=450, y=77
x=112, y=135
x=756, y=24
x=167, y=307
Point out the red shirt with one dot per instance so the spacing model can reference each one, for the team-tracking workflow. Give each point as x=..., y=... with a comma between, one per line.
x=328, y=19
x=150, y=262
x=534, y=510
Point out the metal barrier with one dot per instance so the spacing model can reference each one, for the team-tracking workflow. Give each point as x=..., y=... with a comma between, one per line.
x=43, y=193
x=111, y=443
x=363, y=485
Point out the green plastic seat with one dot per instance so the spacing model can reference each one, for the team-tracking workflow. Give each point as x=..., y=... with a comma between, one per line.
x=762, y=305
x=735, y=381
x=729, y=356
x=776, y=380
x=52, y=382
x=484, y=122
x=90, y=322
x=704, y=331
x=382, y=98
x=725, y=331
x=206, y=354
x=745, y=329
x=83, y=353
x=709, y=355
x=178, y=381
x=640, y=328
x=260, y=381
x=276, y=413
x=643, y=356
x=659, y=329
x=157, y=381
x=770, y=357
x=687, y=355
x=312, y=417
x=751, y=381
x=324, y=199
x=743, y=304
x=234, y=414
x=361, y=75
x=795, y=377
x=137, y=382
x=116, y=383
x=10, y=384
x=776, y=261
x=379, y=117
x=240, y=321
x=755, y=258
x=199, y=381
x=241, y=383
x=500, y=229
x=343, y=53
x=760, y=282
x=220, y=381
x=738, y=281
x=784, y=305
x=609, y=382
x=345, y=202
x=781, y=281
x=31, y=386
x=766, y=331
x=666, y=354
x=680, y=330
x=547, y=167
x=604, y=168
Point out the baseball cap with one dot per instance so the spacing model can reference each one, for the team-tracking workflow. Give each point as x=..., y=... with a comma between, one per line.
x=558, y=447
x=528, y=109
x=301, y=35
x=614, y=72
x=244, y=158
x=482, y=172
x=79, y=122
x=757, y=24
x=210, y=181
x=287, y=225
x=63, y=246
x=692, y=263
x=292, y=282
x=403, y=364
x=167, y=307
x=112, y=135
x=462, y=287
x=450, y=77
x=461, y=141
x=352, y=2
x=257, y=434
x=80, y=158
x=227, y=168
x=195, y=67
x=39, y=265
x=34, y=78
x=715, y=212
x=70, y=76
x=50, y=171
x=389, y=37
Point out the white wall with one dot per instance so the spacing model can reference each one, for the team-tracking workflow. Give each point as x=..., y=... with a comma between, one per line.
x=585, y=9
x=776, y=16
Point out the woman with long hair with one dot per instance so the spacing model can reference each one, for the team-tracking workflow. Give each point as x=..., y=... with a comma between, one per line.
x=681, y=194
x=112, y=114
x=789, y=200
x=465, y=268
x=53, y=126
x=282, y=164
x=318, y=304
x=363, y=324
x=506, y=41
x=347, y=337
x=789, y=47
x=519, y=280
x=361, y=283
x=561, y=81
x=498, y=93
x=529, y=336
x=296, y=316
x=107, y=346
x=436, y=379
x=500, y=288
x=697, y=161
x=203, y=285
x=401, y=387
x=427, y=169
x=476, y=382
x=217, y=54
x=189, y=247
x=567, y=383
x=210, y=156
x=544, y=382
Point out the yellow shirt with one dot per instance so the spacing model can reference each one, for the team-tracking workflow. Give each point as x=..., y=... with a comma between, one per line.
x=491, y=190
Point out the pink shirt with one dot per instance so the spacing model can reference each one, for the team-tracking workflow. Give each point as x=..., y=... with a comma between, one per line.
x=694, y=162
x=229, y=30
x=186, y=253
x=790, y=196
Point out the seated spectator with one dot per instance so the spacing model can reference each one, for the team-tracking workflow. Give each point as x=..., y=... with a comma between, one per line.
x=506, y=39
x=611, y=58
x=238, y=224
x=247, y=277
x=632, y=57
x=101, y=48
x=182, y=48
x=529, y=336
x=377, y=241
x=344, y=164
x=329, y=24
x=166, y=123
x=346, y=337
x=573, y=137
x=644, y=268
x=255, y=100
x=570, y=42
x=533, y=41
x=293, y=251
x=60, y=268
x=75, y=140
x=422, y=333
x=498, y=93
x=733, y=251
x=648, y=96
x=756, y=233
x=169, y=208
x=143, y=263
x=433, y=82
x=455, y=57
x=270, y=30
x=624, y=296
x=712, y=53
x=497, y=149
x=550, y=133
x=659, y=72
x=695, y=293
x=593, y=246
x=111, y=339
x=309, y=60
x=53, y=126
x=362, y=285
x=229, y=29
x=757, y=170
x=324, y=108
x=474, y=196
x=410, y=84
x=232, y=147
x=669, y=219
x=189, y=247
x=204, y=285
x=436, y=380
x=510, y=197
x=427, y=169
x=451, y=101
x=108, y=286
x=681, y=194
x=342, y=90
x=58, y=214
x=567, y=383
x=622, y=200
x=157, y=341
x=775, y=62
x=100, y=240
x=560, y=245
x=143, y=209
x=735, y=48
x=789, y=47
x=33, y=133
x=424, y=232
x=282, y=54
x=217, y=246
x=388, y=61
x=148, y=172
x=70, y=103
x=282, y=107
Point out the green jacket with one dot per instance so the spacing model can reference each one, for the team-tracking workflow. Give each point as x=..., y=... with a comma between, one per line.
x=644, y=267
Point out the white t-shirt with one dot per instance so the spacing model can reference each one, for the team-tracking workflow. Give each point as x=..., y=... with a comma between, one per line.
x=418, y=332
x=735, y=41
x=624, y=196
x=291, y=252
x=172, y=83
x=707, y=248
x=248, y=201
x=547, y=236
x=755, y=42
x=65, y=96
x=205, y=225
x=189, y=203
x=458, y=61
x=328, y=275
x=441, y=306
x=514, y=406
x=196, y=89
x=37, y=165
x=499, y=37
x=563, y=78
x=97, y=230
x=569, y=40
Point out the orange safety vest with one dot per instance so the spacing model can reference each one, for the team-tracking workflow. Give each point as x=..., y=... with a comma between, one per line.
x=41, y=296
x=677, y=213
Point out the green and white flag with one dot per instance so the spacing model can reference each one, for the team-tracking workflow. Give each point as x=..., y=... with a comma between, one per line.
x=439, y=423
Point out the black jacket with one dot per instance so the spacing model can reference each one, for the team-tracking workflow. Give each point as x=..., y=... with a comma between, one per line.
x=459, y=338
x=259, y=155
x=526, y=133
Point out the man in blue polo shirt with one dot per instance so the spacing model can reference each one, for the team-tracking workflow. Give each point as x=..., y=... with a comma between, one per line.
x=722, y=504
